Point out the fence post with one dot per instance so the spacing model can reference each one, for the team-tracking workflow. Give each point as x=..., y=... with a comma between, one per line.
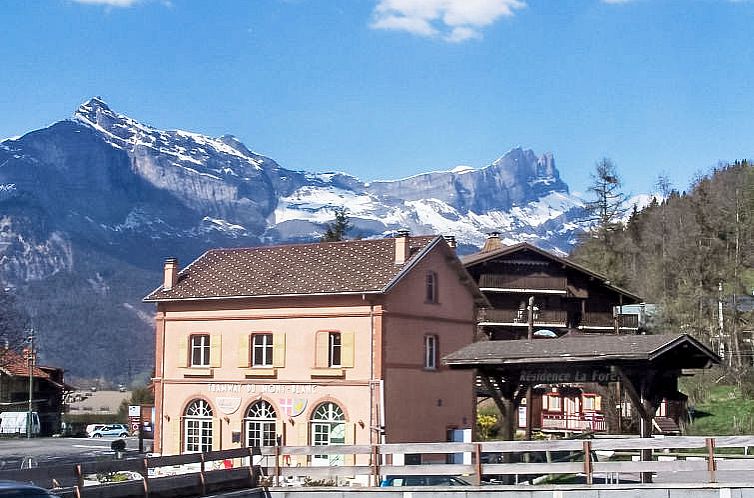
x=375, y=465
x=277, y=465
x=588, y=461
x=711, y=464
x=202, y=481
x=252, y=476
x=145, y=477
x=79, y=479
x=478, y=462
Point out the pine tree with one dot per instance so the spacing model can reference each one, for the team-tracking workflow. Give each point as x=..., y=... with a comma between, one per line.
x=337, y=230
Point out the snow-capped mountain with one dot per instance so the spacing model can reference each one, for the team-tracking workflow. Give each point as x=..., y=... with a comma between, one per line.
x=93, y=204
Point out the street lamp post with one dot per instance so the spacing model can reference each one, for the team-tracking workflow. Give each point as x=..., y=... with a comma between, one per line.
x=31, y=383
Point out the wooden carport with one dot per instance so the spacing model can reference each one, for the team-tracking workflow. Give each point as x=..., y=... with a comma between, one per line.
x=648, y=366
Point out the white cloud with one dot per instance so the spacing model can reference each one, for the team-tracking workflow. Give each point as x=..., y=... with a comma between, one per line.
x=451, y=20
x=110, y=3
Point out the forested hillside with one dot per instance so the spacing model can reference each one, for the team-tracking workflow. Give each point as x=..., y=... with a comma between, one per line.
x=691, y=253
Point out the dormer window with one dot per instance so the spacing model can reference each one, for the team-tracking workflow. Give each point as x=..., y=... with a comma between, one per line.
x=431, y=287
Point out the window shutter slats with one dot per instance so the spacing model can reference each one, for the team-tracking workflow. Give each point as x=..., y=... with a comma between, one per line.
x=183, y=352
x=347, y=349
x=244, y=356
x=216, y=434
x=215, y=352
x=278, y=349
x=321, y=349
x=176, y=424
x=350, y=439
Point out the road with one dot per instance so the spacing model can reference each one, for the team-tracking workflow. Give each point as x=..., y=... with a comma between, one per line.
x=54, y=451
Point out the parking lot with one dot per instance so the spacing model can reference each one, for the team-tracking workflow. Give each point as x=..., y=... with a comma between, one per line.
x=54, y=451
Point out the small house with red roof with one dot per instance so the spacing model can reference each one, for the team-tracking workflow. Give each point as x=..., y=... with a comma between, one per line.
x=47, y=389
x=313, y=344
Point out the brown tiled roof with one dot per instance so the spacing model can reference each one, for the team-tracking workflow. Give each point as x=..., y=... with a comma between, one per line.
x=14, y=364
x=355, y=266
x=585, y=348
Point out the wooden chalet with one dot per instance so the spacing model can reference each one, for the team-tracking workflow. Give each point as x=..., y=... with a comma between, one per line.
x=534, y=293
x=565, y=297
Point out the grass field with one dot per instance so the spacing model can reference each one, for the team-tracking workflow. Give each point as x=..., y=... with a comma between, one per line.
x=724, y=412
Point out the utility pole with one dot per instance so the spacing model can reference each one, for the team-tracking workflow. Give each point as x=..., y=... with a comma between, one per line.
x=30, y=360
x=530, y=336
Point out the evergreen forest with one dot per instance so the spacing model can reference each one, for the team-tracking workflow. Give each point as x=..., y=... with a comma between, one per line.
x=689, y=253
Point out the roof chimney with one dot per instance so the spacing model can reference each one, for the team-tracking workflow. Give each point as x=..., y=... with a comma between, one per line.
x=401, y=247
x=492, y=243
x=170, y=274
x=451, y=241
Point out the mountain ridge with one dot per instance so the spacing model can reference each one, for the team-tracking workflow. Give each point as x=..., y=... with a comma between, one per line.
x=99, y=200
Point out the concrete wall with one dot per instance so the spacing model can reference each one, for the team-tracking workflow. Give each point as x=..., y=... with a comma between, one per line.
x=623, y=491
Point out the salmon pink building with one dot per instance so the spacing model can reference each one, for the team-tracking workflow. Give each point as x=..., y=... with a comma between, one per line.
x=313, y=344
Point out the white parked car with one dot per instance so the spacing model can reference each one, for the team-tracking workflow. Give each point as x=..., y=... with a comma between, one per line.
x=93, y=427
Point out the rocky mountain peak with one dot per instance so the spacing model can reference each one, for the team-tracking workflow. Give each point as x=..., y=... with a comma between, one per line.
x=93, y=109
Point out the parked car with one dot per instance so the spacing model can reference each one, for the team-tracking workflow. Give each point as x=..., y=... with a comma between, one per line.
x=117, y=430
x=13, y=489
x=93, y=427
x=423, y=481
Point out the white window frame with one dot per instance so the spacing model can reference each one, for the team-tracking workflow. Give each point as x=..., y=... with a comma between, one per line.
x=197, y=427
x=589, y=403
x=200, y=344
x=261, y=425
x=265, y=346
x=430, y=352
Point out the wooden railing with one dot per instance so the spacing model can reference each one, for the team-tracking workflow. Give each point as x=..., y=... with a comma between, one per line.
x=590, y=320
x=192, y=474
x=606, y=320
x=671, y=455
x=581, y=423
x=541, y=317
x=704, y=463
x=515, y=282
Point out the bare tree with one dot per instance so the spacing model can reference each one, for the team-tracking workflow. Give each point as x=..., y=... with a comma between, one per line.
x=14, y=326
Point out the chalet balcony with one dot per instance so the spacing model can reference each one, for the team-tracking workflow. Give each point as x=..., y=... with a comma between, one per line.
x=553, y=318
x=604, y=321
x=577, y=423
x=513, y=283
x=590, y=322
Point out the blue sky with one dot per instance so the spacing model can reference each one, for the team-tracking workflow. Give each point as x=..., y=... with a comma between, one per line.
x=390, y=88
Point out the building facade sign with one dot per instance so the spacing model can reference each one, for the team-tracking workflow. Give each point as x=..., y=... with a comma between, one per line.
x=544, y=376
x=238, y=388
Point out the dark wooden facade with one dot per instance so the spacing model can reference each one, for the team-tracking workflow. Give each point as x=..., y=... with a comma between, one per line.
x=566, y=297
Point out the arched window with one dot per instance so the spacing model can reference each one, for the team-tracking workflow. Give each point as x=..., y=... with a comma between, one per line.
x=328, y=427
x=197, y=427
x=260, y=424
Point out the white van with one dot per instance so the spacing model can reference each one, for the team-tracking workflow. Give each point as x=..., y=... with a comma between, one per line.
x=16, y=423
